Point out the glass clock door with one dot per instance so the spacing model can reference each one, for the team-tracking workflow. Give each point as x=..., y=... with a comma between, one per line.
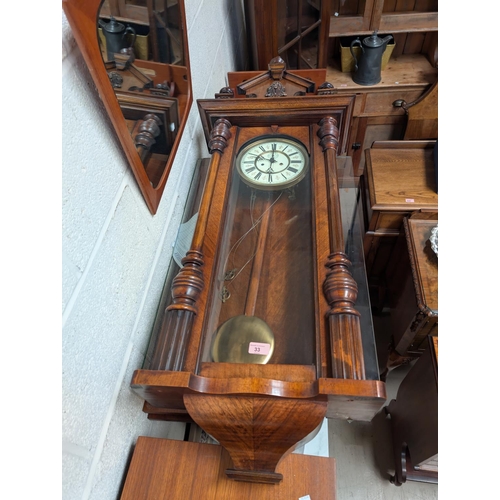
x=262, y=298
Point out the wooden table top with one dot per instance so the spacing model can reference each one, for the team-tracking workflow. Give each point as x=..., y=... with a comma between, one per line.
x=182, y=470
x=424, y=262
x=401, y=176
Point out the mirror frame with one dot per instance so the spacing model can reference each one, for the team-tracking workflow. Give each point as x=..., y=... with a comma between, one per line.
x=82, y=16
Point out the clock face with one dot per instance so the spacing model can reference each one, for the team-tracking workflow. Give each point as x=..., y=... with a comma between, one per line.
x=272, y=163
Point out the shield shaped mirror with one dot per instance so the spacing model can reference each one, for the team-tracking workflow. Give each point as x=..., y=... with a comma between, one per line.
x=137, y=54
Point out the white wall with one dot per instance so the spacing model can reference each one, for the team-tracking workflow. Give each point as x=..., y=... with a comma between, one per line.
x=116, y=255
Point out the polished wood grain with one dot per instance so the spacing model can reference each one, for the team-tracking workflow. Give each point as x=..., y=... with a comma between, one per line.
x=424, y=261
x=350, y=399
x=261, y=84
x=413, y=283
x=351, y=16
x=347, y=398
x=286, y=373
x=401, y=178
x=284, y=111
x=423, y=116
x=189, y=282
x=240, y=80
x=376, y=117
x=180, y=470
x=258, y=260
x=257, y=432
x=402, y=17
x=340, y=288
x=259, y=413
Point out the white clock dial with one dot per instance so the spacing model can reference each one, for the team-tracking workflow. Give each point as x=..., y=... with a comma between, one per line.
x=273, y=163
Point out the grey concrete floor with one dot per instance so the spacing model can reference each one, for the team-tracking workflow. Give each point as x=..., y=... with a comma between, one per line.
x=364, y=456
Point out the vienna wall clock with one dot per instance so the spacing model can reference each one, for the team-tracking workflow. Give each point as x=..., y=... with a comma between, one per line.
x=262, y=338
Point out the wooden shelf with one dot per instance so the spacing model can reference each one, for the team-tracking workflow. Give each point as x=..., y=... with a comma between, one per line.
x=181, y=470
x=402, y=71
x=393, y=23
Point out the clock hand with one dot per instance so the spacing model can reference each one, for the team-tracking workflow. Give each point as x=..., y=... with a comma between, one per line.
x=257, y=157
x=272, y=160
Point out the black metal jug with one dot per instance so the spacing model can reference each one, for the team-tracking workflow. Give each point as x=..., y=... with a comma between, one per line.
x=367, y=71
x=115, y=34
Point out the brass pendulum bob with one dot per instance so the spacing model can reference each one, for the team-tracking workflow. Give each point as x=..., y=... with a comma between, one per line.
x=246, y=338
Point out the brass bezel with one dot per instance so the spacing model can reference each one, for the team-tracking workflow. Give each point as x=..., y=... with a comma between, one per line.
x=265, y=139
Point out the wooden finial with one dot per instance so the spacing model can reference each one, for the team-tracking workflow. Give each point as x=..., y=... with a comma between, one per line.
x=328, y=133
x=219, y=136
x=277, y=67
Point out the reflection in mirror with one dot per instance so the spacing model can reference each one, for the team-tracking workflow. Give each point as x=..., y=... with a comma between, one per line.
x=140, y=42
x=143, y=64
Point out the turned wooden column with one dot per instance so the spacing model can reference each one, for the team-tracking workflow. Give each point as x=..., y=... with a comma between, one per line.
x=340, y=288
x=175, y=331
x=147, y=132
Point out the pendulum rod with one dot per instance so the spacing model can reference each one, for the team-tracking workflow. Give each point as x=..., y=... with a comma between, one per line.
x=258, y=260
x=234, y=337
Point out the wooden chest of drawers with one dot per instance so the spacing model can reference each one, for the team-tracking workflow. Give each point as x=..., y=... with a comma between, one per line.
x=399, y=179
x=413, y=285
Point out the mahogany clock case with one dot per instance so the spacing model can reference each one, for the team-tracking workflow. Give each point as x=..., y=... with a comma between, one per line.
x=299, y=284
x=301, y=271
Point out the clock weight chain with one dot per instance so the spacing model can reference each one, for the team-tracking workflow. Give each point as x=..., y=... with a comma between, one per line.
x=231, y=274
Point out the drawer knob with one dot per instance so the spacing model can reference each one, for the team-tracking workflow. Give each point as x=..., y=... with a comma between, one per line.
x=400, y=103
